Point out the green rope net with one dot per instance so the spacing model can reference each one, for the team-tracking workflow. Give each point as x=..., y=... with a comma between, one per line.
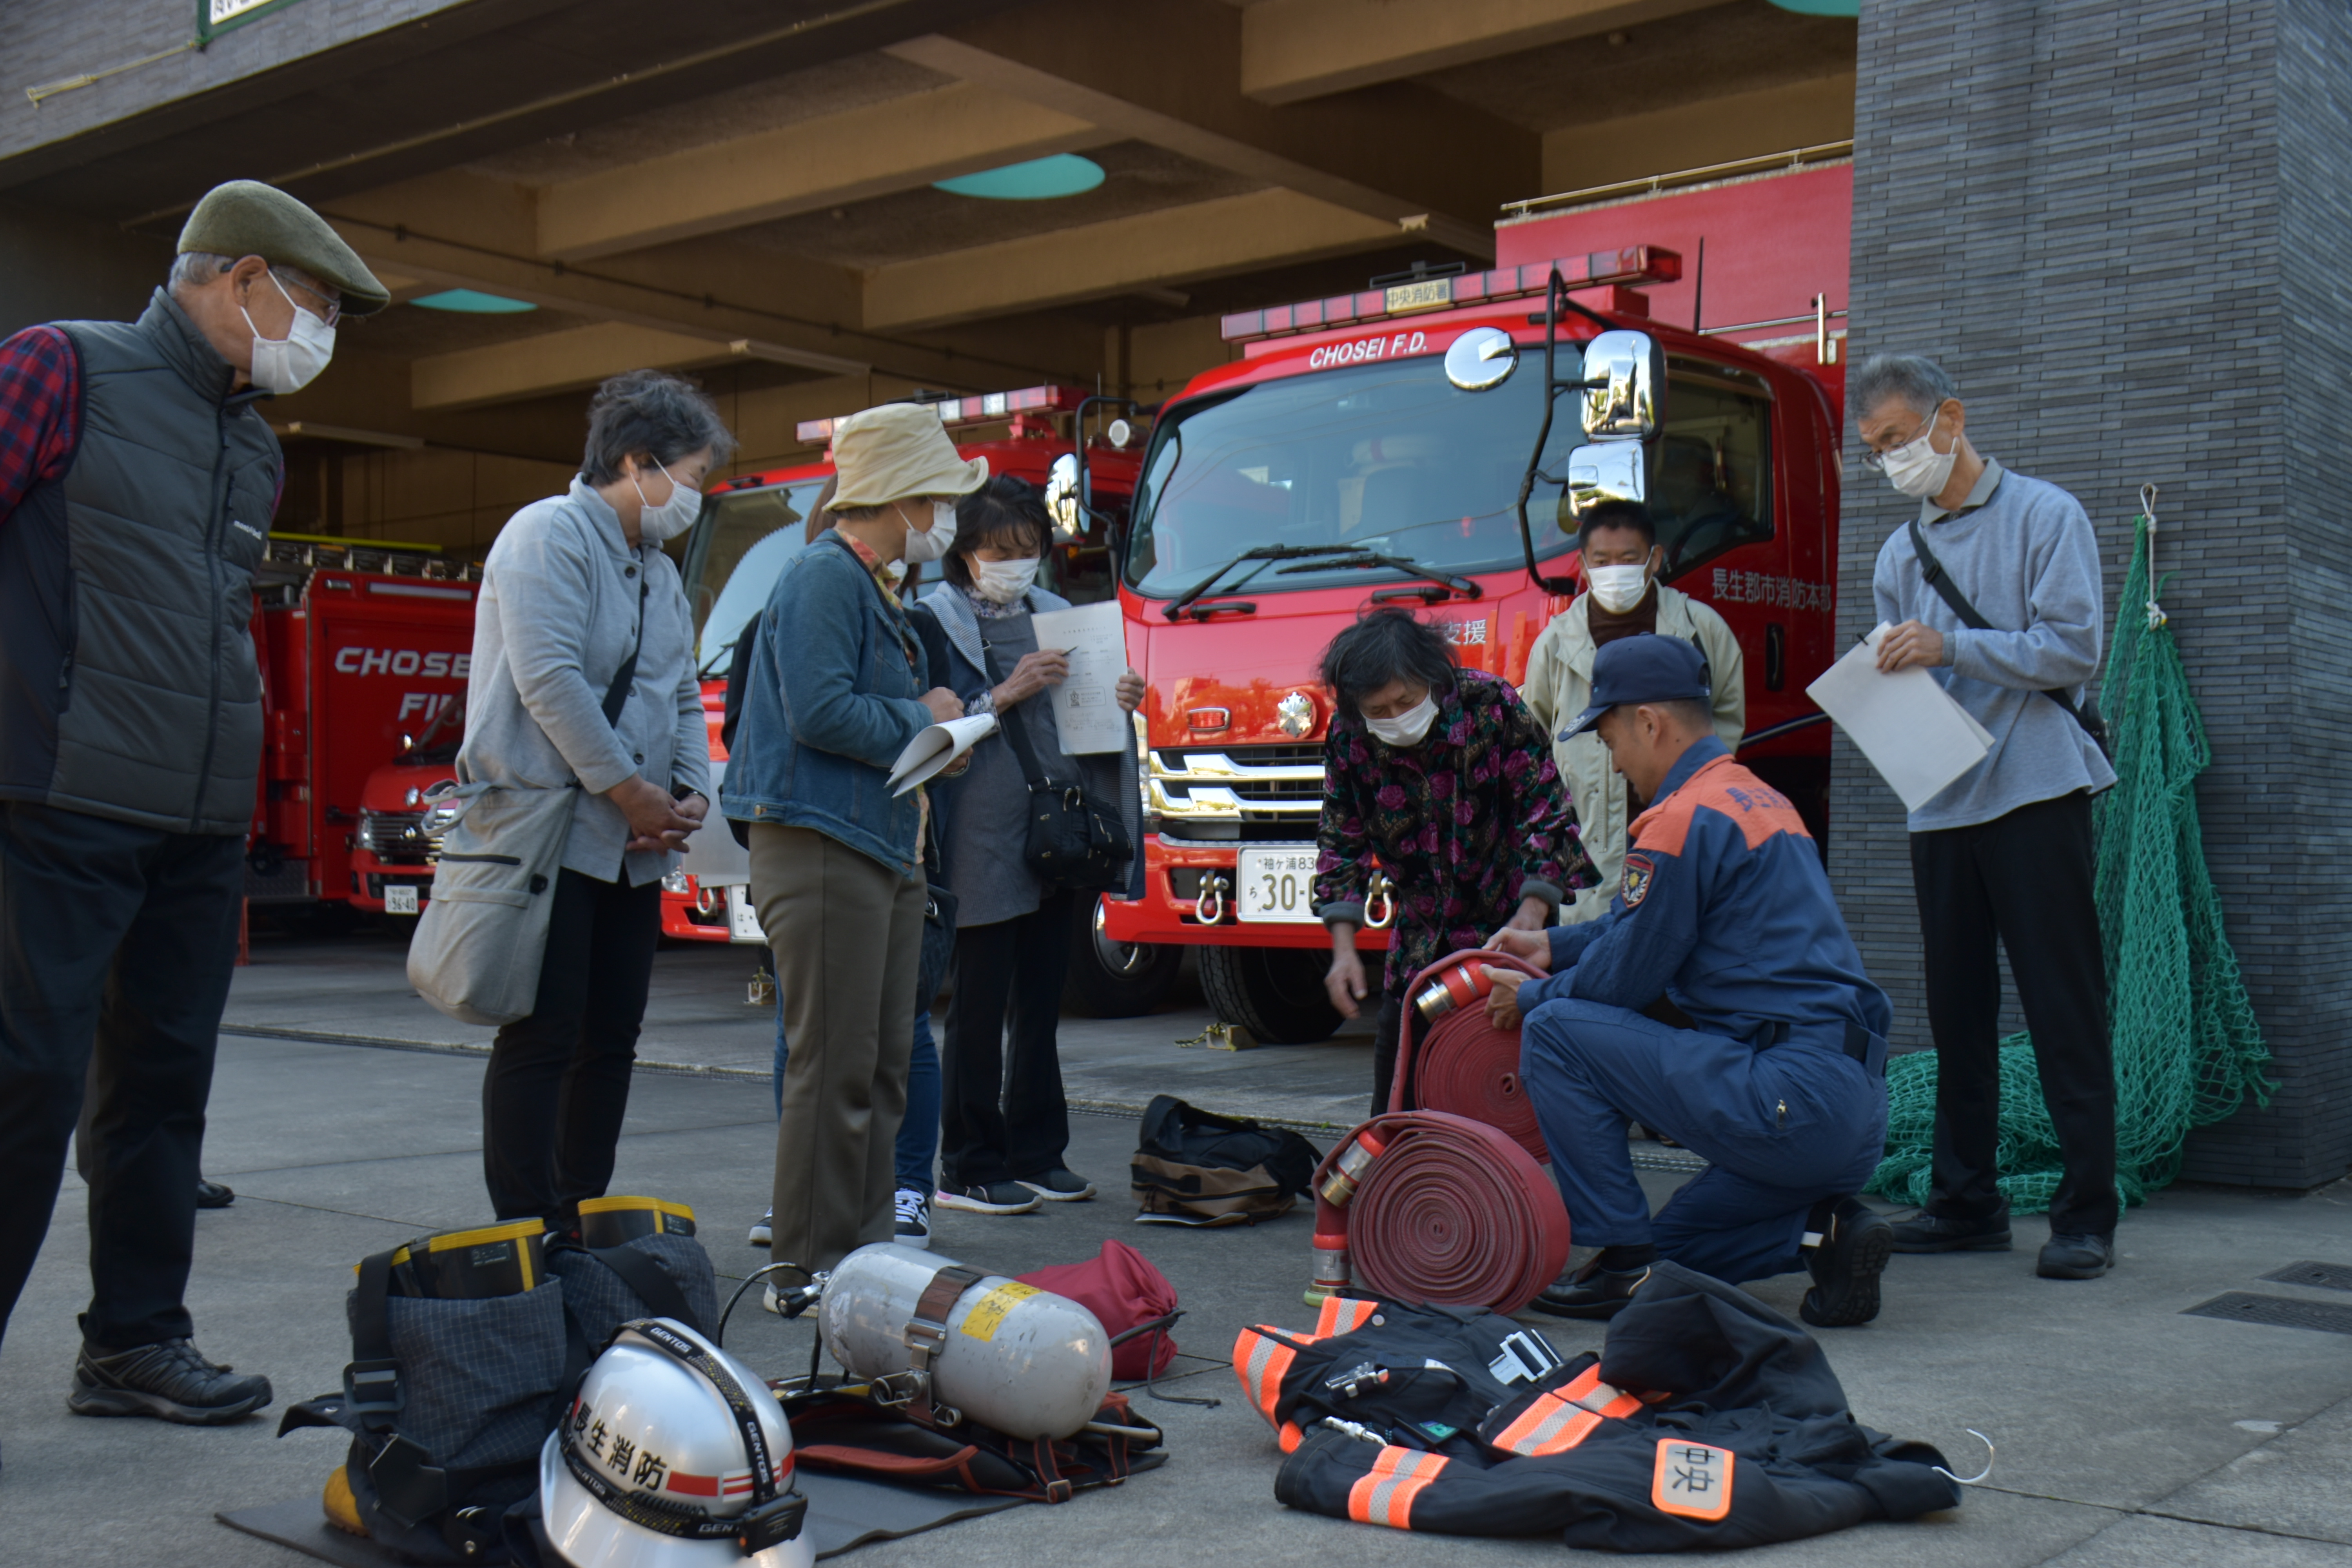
x=2186, y=1048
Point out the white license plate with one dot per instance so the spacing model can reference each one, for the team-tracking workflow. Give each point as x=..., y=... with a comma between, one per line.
x=400, y=898
x=742, y=920
x=1275, y=885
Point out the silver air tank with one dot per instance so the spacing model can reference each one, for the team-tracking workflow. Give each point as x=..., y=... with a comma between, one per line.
x=1022, y=1360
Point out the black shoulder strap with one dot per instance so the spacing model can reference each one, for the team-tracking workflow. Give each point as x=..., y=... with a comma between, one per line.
x=650, y=1281
x=1932, y=569
x=617, y=696
x=1016, y=734
x=371, y=1392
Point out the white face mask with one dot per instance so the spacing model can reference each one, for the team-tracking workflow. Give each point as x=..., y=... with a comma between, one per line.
x=1617, y=589
x=290, y=364
x=930, y=546
x=1002, y=581
x=1916, y=468
x=674, y=516
x=1407, y=728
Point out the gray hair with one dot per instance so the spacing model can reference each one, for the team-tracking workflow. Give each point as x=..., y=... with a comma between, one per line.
x=651, y=414
x=1921, y=384
x=195, y=268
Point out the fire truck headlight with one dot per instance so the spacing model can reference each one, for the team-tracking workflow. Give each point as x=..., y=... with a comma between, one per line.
x=678, y=882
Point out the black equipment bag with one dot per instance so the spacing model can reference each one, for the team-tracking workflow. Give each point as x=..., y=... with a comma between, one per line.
x=447, y=1401
x=2086, y=714
x=1075, y=837
x=1195, y=1167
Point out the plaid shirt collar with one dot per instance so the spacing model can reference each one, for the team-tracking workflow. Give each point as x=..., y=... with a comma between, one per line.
x=873, y=563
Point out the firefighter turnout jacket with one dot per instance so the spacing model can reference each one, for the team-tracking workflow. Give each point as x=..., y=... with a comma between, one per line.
x=1708, y=1421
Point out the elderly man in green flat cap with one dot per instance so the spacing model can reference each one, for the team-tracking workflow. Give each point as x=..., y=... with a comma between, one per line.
x=137, y=482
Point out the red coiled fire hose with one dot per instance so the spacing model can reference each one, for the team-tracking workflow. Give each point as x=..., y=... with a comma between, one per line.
x=1462, y=1063
x=1438, y=1208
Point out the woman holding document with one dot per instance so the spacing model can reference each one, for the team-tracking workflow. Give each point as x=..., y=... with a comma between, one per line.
x=1008, y=646
x=839, y=686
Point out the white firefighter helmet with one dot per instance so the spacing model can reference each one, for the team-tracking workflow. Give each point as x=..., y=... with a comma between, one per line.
x=659, y=1461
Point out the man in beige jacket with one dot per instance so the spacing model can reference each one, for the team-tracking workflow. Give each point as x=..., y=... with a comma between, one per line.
x=1623, y=598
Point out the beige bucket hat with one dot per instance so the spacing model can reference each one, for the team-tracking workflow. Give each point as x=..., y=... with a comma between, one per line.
x=897, y=451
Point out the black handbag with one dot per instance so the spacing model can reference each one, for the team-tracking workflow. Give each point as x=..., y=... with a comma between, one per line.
x=2086, y=714
x=1075, y=839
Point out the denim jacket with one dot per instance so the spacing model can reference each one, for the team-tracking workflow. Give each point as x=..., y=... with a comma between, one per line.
x=832, y=699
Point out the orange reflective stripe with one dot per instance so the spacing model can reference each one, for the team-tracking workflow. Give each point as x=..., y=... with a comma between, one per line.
x=1342, y=1316
x=1260, y=1361
x=1556, y=1422
x=1384, y=1494
x=1290, y=1437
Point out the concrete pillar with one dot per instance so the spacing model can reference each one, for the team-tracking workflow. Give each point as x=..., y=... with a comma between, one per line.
x=2124, y=231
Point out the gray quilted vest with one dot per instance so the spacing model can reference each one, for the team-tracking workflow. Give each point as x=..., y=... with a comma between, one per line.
x=128, y=683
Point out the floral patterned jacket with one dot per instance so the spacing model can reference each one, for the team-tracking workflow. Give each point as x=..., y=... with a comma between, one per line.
x=1466, y=825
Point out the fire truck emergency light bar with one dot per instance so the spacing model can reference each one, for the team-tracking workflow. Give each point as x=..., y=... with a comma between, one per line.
x=977, y=410
x=1634, y=265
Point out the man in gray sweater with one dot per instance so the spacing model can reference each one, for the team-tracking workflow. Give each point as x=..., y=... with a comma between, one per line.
x=2004, y=854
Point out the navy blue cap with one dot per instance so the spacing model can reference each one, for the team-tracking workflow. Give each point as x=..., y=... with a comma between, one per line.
x=1644, y=668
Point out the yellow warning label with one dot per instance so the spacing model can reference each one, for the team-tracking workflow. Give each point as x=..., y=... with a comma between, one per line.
x=989, y=1312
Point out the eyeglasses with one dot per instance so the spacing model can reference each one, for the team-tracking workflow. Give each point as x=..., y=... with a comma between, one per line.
x=328, y=310
x=1874, y=459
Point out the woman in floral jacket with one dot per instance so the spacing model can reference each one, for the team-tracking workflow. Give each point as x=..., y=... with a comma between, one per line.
x=1442, y=777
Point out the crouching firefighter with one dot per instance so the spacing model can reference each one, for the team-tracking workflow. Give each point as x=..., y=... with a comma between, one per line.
x=1779, y=1082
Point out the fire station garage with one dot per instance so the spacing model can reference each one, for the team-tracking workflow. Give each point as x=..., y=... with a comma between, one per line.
x=2105, y=222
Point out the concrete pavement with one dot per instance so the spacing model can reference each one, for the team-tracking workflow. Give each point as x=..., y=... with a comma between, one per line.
x=2128, y=1433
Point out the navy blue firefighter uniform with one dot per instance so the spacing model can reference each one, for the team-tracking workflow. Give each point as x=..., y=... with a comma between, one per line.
x=1725, y=911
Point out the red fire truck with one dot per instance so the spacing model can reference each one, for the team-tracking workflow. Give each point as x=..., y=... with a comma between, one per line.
x=364, y=648
x=1399, y=444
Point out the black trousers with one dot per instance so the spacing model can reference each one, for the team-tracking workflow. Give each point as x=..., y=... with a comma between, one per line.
x=2025, y=880
x=1002, y=1114
x=116, y=942
x=558, y=1083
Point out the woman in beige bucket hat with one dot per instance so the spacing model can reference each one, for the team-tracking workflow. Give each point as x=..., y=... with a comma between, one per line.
x=839, y=688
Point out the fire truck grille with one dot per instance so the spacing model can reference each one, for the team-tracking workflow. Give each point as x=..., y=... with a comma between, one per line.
x=1237, y=794
x=398, y=837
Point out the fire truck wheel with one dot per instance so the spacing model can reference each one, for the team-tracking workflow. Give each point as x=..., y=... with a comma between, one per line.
x=1110, y=979
x=1275, y=992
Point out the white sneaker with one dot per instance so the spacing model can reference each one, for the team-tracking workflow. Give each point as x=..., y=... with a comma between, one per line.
x=768, y=1300
x=914, y=1219
x=989, y=1197
x=763, y=1233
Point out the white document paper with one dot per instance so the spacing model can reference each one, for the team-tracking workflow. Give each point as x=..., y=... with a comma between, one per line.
x=1086, y=707
x=1918, y=738
x=937, y=747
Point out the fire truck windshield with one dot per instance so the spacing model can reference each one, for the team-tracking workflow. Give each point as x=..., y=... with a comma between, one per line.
x=1389, y=458
x=743, y=542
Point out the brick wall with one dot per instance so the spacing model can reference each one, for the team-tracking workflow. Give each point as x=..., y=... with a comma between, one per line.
x=2117, y=227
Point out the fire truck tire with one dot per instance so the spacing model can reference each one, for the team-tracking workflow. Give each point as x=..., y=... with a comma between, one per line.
x=1275, y=992
x=1110, y=979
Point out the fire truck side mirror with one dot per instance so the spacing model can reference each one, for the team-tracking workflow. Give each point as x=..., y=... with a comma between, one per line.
x=1624, y=373
x=1606, y=470
x=1062, y=496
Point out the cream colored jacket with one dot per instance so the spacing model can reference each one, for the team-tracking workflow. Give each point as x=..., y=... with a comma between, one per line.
x=1559, y=686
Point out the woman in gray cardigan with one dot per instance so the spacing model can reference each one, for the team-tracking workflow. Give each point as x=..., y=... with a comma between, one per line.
x=1003, y=1124
x=584, y=673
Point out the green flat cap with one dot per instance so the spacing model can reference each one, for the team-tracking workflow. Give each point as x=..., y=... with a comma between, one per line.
x=245, y=217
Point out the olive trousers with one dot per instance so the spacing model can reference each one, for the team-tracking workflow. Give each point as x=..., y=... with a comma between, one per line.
x=847, y=935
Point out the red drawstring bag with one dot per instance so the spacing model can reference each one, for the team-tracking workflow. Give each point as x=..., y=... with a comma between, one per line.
x=1122, y=1288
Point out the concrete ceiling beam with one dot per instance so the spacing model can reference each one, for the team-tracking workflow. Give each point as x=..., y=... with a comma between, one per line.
x=872, y=151
x=1293, y=51
x=564, y=361
x=1174, y=245
x=1170, y=74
